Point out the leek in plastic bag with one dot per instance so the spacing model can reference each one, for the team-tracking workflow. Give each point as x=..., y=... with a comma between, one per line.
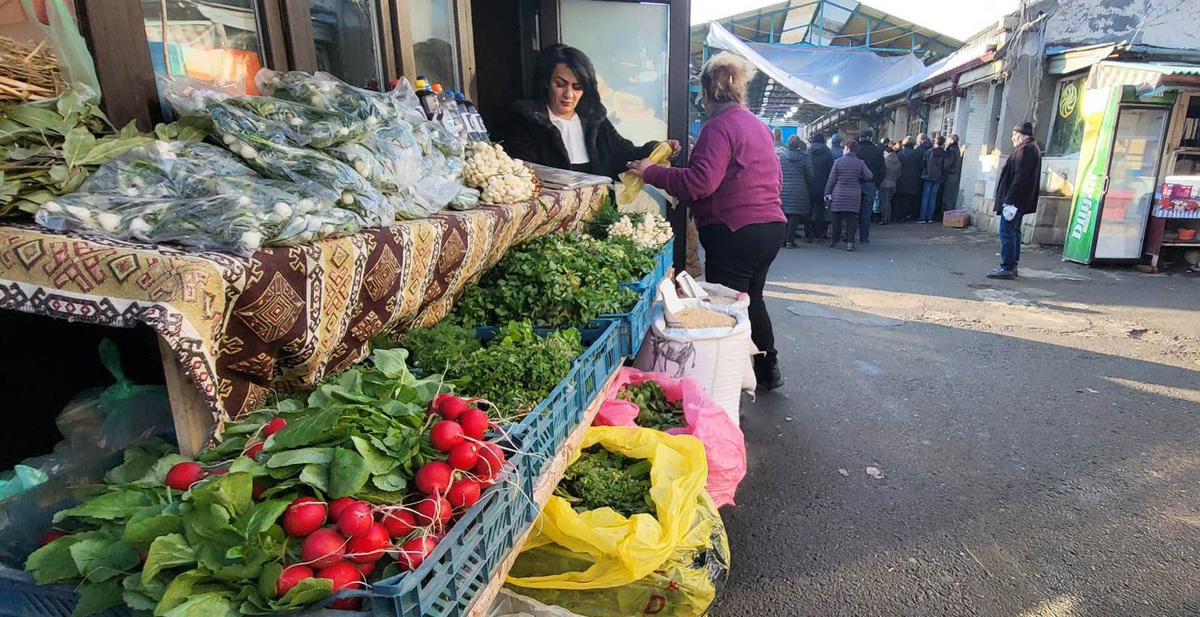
x=633, y=184
x=321, y=128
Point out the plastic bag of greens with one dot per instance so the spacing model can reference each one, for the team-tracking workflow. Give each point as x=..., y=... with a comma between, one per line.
x=189, y=96
x=433, y=135
x=320, y=128
x=325, y=91
x=409, y=207
x=466, y=199
x=231, y=122
x=370, y=162
x=166, y=169
x=282, y=162
x=434, y=193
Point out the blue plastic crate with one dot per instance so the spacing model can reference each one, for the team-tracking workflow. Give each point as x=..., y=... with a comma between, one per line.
x=633, y=326
x=465, y=561
x=21, y=597
x=666, y=259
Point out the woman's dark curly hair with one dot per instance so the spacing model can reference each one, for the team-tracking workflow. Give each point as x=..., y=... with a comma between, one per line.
x=554, y=55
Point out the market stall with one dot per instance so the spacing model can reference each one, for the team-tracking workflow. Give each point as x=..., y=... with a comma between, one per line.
x=236, y=328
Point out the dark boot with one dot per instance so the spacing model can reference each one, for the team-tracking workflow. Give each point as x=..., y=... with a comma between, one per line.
x=766, y=371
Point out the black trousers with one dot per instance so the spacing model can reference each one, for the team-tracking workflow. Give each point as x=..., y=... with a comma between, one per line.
x=902, y=207
x=850, y=220
x=740, y=260
x=795, y=222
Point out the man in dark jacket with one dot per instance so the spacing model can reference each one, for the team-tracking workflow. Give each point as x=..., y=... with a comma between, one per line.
x=1016, y=196
x=908, y=189
x=872, y=155
x=954, y=163
x=822, y=162
x=933, y=175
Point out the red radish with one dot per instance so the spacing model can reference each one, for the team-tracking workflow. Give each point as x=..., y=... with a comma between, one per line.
x=433, y=477
x=445, y=435
x=323, y=548
x=435, y=406
x=346, y=604
x=366, y=569
x=474, y=423
x=399, y=523
x=355, y=519
x=258, y=489
x=451, y=407
x=463, y=456
x=253, y=450
x=463, y=494
x=183, y=475
x=51, y=536
x=344, y=576
x=491, y=460
x=303, y=516
x=433, y=510
x=414, y=552
x=274, y=426
x=369, y=546
x=219, y=471
x=337, y=505
x=290, y=577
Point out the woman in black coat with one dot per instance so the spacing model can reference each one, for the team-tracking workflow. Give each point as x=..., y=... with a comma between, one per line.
x=909, y=185
x=565, y=125
x=795, y=192
x=822, y=162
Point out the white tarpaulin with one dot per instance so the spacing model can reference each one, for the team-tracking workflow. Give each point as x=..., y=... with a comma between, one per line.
x=836, y=78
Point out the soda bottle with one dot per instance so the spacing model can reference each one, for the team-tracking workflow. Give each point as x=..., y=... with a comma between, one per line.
x=429, y=101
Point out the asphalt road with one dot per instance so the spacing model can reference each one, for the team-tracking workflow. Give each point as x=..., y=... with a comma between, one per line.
x=1036, y=442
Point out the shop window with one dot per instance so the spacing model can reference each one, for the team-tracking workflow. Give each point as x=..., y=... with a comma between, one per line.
x=1066, y=130
x=435, y=41
x=627, y=43
x=215, y=42
x=1191, y=124
x=347, y=40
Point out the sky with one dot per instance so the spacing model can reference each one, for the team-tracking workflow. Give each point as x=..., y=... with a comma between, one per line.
x=957, y=18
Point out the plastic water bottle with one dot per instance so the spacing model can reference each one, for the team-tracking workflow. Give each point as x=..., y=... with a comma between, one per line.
x=474, y=119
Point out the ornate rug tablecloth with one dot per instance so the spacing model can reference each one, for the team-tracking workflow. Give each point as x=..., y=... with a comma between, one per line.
x=286, y=316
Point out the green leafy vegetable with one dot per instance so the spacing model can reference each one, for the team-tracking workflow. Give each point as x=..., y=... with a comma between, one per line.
x=654, y=410
x=603, y=479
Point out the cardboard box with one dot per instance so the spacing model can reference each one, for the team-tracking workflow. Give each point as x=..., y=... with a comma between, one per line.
x=956, y=218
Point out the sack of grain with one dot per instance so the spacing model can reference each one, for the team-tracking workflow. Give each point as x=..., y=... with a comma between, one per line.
x=715, y=357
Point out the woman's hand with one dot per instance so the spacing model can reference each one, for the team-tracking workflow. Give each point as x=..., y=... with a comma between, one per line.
x=675, y=148
x=638, y=168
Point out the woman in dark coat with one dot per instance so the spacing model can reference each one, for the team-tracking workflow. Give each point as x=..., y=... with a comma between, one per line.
x=565, y=125
x=822, y=161
x=909, y=185
x=844, y=193
x=797, y=178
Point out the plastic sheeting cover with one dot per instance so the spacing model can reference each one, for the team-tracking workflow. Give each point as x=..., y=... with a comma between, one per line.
x=836, y=78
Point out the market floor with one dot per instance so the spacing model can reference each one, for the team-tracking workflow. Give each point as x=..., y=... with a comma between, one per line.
x=950, y=445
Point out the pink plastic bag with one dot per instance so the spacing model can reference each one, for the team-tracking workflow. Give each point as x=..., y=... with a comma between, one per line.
x=724, y=444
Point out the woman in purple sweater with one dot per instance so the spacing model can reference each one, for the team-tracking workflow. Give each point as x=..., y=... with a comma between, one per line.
x=733, y=181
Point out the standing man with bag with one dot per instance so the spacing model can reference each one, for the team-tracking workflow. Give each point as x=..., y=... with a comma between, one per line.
x=1016, y=196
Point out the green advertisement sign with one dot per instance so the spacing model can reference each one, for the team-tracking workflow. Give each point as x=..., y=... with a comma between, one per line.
x=1100, y=121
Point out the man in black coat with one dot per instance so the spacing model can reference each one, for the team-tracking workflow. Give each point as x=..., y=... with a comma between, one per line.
x=822, y=162
x=872, y=155
x=1016, y=196
x=909, y=187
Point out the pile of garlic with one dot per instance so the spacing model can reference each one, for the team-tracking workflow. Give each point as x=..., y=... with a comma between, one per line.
x=499, y=178
x=652, y=232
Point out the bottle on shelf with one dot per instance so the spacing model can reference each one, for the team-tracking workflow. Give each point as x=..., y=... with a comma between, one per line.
x=474, y=119
x=445, y=117
x=452, y=110
x=429, y=101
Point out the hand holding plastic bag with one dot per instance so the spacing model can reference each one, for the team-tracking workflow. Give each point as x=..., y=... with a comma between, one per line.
x=633, y=184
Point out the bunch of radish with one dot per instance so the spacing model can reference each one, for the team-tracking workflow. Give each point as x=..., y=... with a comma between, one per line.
x=183, y=475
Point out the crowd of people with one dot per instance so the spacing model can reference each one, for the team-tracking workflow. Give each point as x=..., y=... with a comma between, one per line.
x=845, y=186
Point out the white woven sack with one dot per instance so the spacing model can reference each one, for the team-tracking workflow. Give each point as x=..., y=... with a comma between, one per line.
x=740, y=301
x=714, y=357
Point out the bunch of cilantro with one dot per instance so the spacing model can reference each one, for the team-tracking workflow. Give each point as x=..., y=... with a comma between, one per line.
x=556, y=280
x=603, y=479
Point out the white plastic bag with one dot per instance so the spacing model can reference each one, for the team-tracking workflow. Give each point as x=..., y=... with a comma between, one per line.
x=509, y=604
x=720, y=295
x=714, y=357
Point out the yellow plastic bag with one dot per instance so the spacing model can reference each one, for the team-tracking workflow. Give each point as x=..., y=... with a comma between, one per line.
x=623, y=549
x=684, y=586
x=634, y=184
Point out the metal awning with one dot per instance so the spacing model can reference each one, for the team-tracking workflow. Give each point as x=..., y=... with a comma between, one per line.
x=1148, y=78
